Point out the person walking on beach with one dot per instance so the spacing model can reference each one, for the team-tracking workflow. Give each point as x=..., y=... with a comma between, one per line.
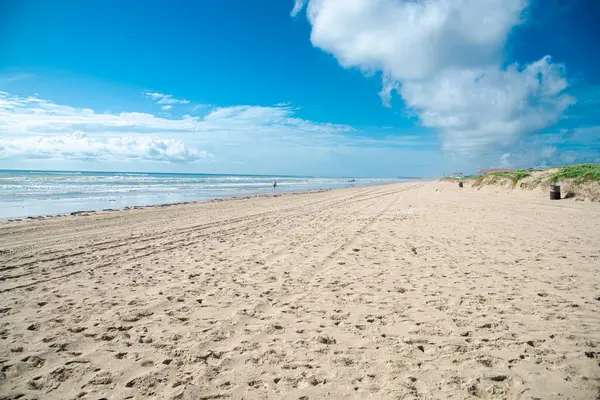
x=274, y=184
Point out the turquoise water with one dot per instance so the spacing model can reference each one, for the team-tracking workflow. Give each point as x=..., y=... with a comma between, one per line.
x=32, y=193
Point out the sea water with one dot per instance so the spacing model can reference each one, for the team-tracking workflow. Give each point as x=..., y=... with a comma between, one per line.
x=32, y=193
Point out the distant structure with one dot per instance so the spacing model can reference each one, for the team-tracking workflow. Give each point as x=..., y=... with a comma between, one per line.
x=487, y=171
x=458, y=175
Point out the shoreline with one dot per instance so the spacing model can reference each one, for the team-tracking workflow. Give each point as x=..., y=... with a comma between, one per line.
x=45, y=193
x=163, y=205
x=128, y=208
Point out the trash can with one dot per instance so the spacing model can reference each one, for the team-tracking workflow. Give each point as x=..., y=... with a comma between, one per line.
x=554, y=192
x=460, y=184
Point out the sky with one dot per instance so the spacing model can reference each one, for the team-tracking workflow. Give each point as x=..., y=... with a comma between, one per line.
x=319, y=87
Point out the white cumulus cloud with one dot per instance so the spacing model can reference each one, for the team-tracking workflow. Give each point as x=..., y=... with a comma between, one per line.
x=79, y=146
x=446, y=59
x=489, y=108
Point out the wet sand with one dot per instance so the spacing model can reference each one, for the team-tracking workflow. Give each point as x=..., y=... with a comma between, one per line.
x=407, y=291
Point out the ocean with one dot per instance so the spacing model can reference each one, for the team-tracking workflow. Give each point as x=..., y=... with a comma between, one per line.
x=34, y=193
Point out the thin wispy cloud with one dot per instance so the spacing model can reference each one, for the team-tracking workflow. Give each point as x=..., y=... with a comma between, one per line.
x=164, y=99
x=26, y=115
x=298, y=6
x=197, y=107
x=12, y=78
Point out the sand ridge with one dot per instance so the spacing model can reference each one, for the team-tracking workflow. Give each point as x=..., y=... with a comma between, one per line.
x=405, y=291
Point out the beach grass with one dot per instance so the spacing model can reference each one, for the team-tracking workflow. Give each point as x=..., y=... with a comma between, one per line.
x=579, y=173
x=514, y=176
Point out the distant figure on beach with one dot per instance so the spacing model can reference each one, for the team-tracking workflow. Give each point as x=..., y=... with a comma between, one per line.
x=274, y=184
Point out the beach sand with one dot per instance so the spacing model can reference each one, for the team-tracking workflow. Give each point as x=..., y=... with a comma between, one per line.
x=407, y=291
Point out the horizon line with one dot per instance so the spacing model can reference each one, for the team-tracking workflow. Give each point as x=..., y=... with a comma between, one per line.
x=218, y=174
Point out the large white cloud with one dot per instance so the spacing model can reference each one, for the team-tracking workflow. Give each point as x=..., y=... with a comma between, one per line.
x=413, y=39
x=446, y=59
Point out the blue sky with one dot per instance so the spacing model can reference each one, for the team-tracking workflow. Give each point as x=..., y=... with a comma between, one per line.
x=329, y=87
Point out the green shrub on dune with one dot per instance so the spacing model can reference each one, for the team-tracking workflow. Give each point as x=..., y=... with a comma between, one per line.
x=514, y=176
x=580, y=172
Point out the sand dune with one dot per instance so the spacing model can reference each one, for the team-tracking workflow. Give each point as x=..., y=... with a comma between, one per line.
x=392, y=292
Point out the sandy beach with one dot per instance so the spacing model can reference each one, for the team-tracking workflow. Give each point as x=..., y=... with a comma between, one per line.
x=405, y=291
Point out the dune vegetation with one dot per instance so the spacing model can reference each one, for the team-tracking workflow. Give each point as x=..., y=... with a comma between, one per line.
x=581, y=172
x=579, y=181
